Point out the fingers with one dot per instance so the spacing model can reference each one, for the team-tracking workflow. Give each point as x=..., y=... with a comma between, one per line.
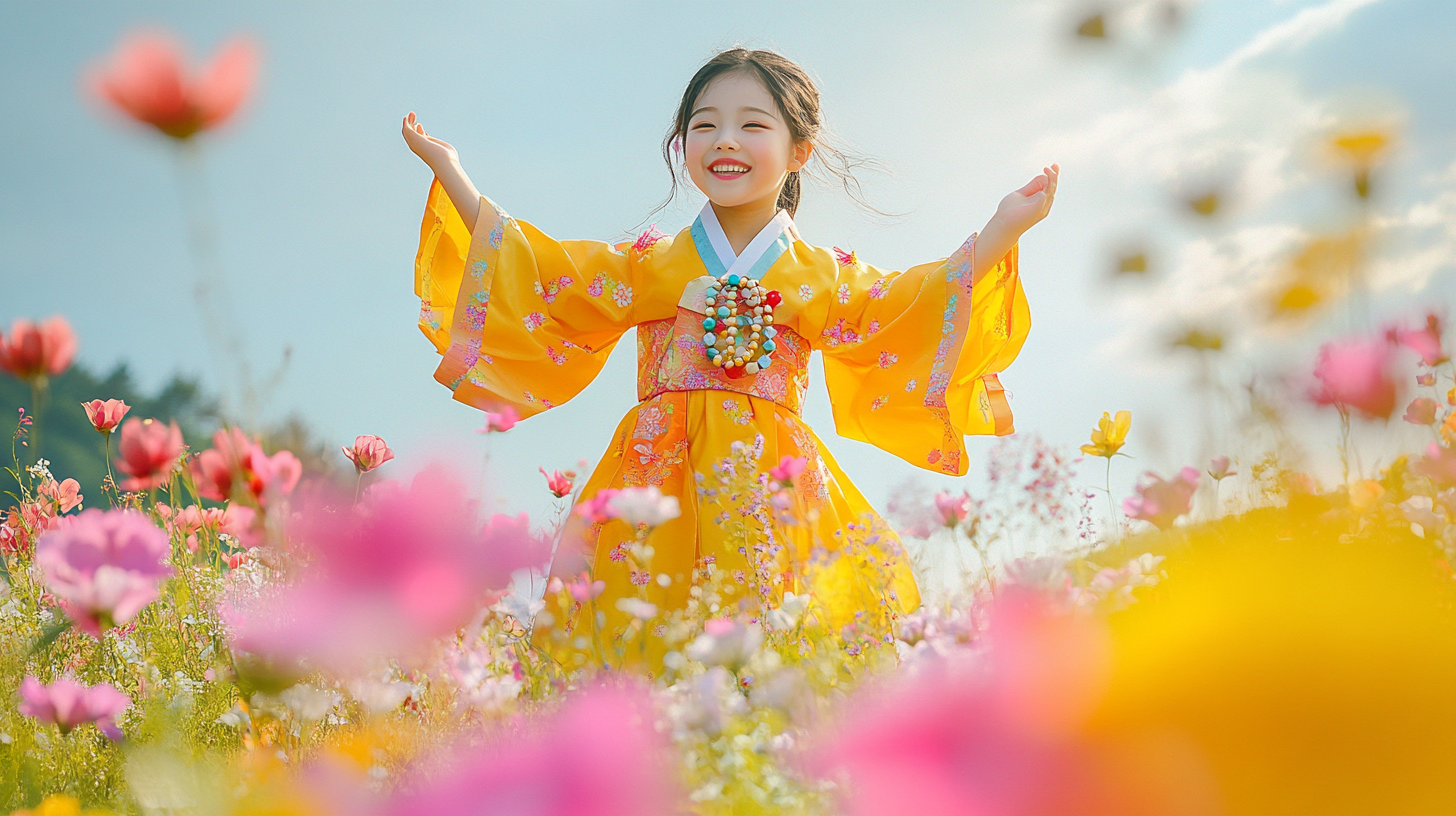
x=1052, y=173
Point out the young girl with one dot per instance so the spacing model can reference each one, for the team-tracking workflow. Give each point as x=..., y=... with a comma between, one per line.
x=726, y=314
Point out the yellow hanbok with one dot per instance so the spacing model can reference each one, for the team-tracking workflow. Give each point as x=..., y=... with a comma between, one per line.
x=910, y=361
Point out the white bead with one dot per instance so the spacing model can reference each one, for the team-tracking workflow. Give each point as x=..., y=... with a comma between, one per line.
x=751, y=368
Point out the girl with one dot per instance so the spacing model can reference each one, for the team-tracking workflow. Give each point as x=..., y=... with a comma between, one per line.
x=726, y=314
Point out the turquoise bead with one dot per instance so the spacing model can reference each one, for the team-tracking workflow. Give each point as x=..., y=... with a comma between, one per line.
x=763, y=362
x=709, y=324
x=743, y=320
x=712, y=293
x=768, y=345
x=722, y=311
x=732, y=280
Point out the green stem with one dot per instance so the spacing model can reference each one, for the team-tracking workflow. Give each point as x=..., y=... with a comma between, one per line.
x=110, y=479
x=38, y=393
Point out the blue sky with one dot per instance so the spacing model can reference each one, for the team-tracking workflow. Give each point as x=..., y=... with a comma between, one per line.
x=558, y=111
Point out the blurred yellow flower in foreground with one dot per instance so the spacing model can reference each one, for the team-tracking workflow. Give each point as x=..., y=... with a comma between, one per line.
x=1292, y=665
x=60, y=805
x=1110, y=435
x=1364, y=494
x=1361, y=148
x=1321, y=271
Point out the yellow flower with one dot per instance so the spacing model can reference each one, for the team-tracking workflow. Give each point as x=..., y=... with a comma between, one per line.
x=1362, y=147
x=60, y=805
x=1110, y=435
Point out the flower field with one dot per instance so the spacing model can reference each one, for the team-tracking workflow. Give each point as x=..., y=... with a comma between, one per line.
x=216, y=623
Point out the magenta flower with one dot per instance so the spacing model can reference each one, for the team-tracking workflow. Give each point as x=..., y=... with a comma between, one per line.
x=952, y=510
x=104, y=566
x=105, y=416
x=69, y=704
x=1161, y=502
x=403, y=566
x=1356, y=374
x=149, y=452
x=1003, y=734
x=788, y=468
x=598, y=756
x=597, y=509
x=1421, y=411
x=557, y=482
x=501, y=422
x=368, y=453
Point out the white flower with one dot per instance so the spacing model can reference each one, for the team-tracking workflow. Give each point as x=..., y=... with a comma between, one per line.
x=637, y=608
x=622, y=295
x=380, y=696
x=787, y=615
x=727, y=643
x=644, y=505
x=309, y=703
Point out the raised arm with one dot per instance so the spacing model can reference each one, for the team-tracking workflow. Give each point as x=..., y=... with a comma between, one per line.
x=445, y=162
x=1018, y=212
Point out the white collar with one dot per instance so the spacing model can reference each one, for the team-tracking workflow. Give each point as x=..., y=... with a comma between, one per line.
x=779, y=225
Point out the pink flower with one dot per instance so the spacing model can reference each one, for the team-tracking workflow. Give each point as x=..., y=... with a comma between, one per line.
x=501, y=422
x=557, y=482
x=105, y=416
x=368, y=453
x=1218, y=468
x=1356, y=374
x=1425, y=341
x=584, y=589
x=598, y=756
x=788, y=468
x=643, y=505
x=32, y=352
x=1005, y=734
x=1161, y=502
x=1426, y=379
x=63, y=496
x=272, y=476
x=149, y=452
x=104, y=566
x=236, y=459
x=1439, y=464
x=404, y=566
x=69, y=704
x=597, y=509
x=146, y=81
x=952, y=510
x=1421, y=411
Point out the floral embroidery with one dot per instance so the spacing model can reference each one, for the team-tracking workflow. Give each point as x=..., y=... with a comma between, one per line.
x=621, y=292
x=737, y=413
x=528, y=396
x=472, y=352
x=806, y=292
x=872, y=328
x=428, y=316
x=651, y=421
x=557, y=357
x=935, y=391
x=497, y=235
x=648, y=239
x=482, y=297
x=887, y=359
x=670, y=358
x=478, y=270
x=933, y=456
x=474, y=318
x=648, y=466
x=845, y=258
x=880, y=402
x=843, y=293
x=879, y=288
x=840, y=334
x=534, y=321
x=552, y=288
x=910, y=386
x=640, y=578
x=618, y=553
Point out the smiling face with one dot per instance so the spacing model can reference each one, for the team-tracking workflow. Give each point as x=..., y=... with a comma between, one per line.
x=738, y=148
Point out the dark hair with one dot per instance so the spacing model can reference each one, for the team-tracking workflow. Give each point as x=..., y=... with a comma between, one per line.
x=797, y=98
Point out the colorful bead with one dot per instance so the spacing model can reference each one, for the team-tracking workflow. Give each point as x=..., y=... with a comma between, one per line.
x=709, y=323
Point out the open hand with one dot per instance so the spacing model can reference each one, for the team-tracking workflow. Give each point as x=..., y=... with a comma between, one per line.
x=435, y=152
x=1020, y=210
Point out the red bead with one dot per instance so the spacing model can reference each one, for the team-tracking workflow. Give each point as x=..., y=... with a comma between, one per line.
x=734, y=373
x=773, y=298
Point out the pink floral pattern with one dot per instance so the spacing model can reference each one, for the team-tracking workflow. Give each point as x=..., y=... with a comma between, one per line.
x=670, y=357
x=534, y=320
x=552, y=288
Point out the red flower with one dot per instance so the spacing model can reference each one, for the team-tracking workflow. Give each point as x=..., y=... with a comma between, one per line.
x=557, y=482
x=105, y=416
x=149, y=452
x=146, y=80
x=32, y=351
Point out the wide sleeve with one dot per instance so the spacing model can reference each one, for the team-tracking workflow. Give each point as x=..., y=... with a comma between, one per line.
x=521, y=319
x=911, y=358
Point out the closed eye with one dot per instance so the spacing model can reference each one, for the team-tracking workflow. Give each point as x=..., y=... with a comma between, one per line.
x=701, y=125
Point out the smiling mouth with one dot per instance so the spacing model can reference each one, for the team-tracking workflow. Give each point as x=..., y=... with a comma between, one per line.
x=728, y=170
